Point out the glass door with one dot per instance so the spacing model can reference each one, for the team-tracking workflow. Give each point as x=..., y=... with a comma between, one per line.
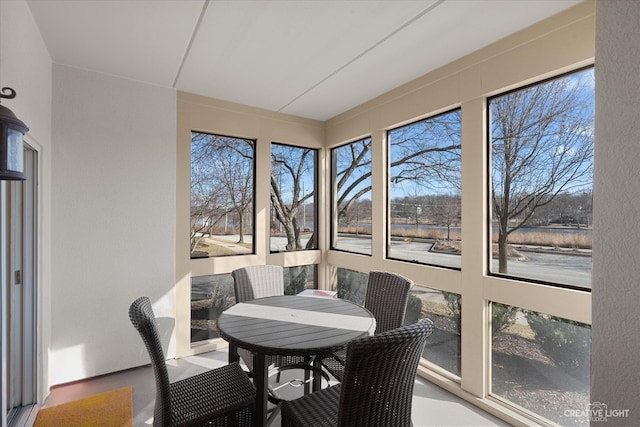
x=21, y=291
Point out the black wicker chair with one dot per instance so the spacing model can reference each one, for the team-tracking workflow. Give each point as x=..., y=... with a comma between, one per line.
x=260, y=281
x=220, y=397
x=386, y=298
x=257, y=281
x=377, y=388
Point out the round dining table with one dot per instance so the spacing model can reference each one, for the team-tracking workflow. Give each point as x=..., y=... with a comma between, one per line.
x=290, y=326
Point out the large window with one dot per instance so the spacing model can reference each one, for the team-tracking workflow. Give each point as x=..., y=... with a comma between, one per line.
x=541, y=180
x=425, y=191
x=293, y=207
x=541, y=363
x=222, y=189
x=351, y=190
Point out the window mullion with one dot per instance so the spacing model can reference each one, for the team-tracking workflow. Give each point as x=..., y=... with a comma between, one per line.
x=474, y=330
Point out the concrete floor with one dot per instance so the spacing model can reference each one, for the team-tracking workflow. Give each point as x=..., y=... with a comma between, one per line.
x=432, y=406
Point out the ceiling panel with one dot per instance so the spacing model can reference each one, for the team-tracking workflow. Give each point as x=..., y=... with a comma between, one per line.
x=435, y=39
x=313, y=59
x=245, y=51
x=139, y=40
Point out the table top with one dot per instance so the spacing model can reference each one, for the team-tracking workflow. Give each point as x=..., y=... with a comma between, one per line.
x=294, y=325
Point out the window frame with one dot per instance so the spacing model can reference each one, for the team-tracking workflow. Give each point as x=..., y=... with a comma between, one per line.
x=316, y=186
x=333, y=226
x=254, y=187
x=489, y=217
x=388, y=186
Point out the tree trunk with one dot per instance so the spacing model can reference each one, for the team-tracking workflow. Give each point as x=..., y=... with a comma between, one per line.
x=293, y=235
x=241, y=226
x=502, y=249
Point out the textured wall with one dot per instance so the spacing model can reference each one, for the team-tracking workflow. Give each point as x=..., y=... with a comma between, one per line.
x=113, y=219
x=616, y=270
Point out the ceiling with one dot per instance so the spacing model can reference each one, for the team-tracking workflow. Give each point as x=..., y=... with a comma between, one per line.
x=313, y=59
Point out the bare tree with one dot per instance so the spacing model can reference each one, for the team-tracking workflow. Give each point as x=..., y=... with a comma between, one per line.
x=542, y=145
x=447, y=211
x=353, y=175
x=425, y=153
x=235, y=163
x=289, y=167
x=221, y=182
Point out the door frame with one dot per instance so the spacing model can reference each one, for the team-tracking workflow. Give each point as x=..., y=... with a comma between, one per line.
x=19, y=255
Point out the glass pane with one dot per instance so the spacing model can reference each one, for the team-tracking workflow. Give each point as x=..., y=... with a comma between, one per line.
x=15, y=150
x=210, y=296
x=425, y=191
x=542, y=180
x=443, y=308
x=299, y=278
x=351, y=285
x=293, y=211
x=541, y=363
x=351, y=172
x=222, y=187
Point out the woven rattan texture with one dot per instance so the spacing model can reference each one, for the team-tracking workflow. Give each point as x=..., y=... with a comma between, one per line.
x=386, y=298
x=220, y=397
x=261, y=281
x=377, y=389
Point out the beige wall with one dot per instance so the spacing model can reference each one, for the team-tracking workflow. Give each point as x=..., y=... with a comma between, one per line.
x=615, y=364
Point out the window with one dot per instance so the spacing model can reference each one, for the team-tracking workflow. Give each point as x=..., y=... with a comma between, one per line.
x=425, y=191
x=541, y=180
x=222, y=188
x=351, y=190
x=210, y=296
x=299, y=278
x=351, y=285
x=541, y=363
x=293, y=207
x=443, y=309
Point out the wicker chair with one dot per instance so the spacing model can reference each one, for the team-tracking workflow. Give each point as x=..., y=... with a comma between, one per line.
x=220, y=397
x=260, y=281
x=377, y=388
x=386, y=298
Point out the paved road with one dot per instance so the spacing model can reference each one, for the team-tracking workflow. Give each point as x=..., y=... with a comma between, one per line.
x=558, y=268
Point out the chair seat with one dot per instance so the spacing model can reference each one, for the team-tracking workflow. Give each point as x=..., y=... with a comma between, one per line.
x=196, y=399
x=377, y=388
x=319, y=409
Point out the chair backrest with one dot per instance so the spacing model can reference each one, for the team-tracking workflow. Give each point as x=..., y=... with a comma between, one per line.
x=258, y=281
x=386, y=298
x=143, y=319
x=379, y=374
